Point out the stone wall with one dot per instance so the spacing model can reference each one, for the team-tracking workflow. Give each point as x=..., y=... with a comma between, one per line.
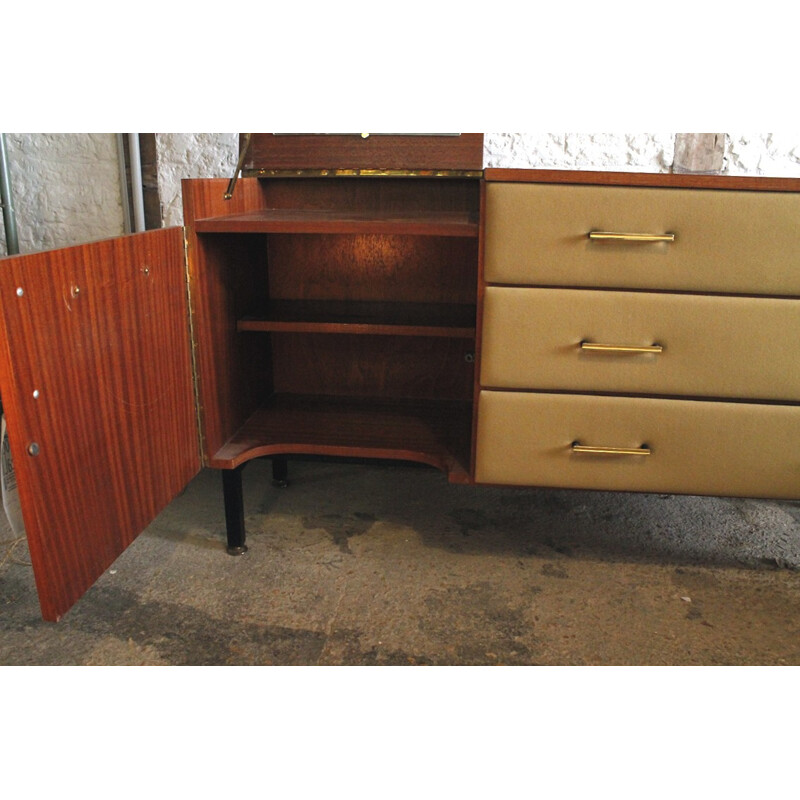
x=646, y=152
x=65, y=187
x=771, y=154
x=191, y=155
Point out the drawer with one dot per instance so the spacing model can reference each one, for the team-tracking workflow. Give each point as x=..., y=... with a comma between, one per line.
x=725, y=241
x=696, y=447
x=738, y=347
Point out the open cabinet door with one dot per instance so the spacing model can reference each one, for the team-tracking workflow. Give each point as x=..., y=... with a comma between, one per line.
x=96, y=383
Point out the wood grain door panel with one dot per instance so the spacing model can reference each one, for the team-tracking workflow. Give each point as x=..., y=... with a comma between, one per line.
x=96, y=380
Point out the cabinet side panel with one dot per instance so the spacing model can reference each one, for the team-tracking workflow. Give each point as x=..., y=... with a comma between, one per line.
x=205, y=197
x=227, y=275
x=95, y=375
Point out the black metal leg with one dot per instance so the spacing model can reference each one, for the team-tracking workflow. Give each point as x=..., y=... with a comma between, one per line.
x=234, y=510
x=280, y=471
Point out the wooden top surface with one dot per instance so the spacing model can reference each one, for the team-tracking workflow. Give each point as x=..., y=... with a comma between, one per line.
x=654, y=179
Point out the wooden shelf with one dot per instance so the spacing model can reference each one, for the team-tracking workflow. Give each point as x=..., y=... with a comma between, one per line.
x=283, y=220
x=426, y=431
x=376, y=318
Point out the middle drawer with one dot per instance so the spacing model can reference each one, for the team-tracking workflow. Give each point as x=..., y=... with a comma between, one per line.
x=711, y=346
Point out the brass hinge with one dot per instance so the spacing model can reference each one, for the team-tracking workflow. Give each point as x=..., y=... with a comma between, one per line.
x=201, y=444
x=360, y=172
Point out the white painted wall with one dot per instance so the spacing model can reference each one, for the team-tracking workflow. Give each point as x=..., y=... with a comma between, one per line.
x=66, y=186
x=643, y=152
x=191, y=155
x=774, y=154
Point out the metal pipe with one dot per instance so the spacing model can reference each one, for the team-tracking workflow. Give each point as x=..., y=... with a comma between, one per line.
x=136, y=182
x=123, y=184
x=9, y=218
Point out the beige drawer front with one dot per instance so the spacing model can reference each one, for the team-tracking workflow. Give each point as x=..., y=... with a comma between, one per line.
x=725, y=241
x=737, y=347
x=696, y=447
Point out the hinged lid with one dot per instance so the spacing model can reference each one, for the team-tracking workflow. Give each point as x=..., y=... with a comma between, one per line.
x=429, y=154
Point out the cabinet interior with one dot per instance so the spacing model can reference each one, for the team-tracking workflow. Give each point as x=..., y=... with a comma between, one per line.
x=337, y=316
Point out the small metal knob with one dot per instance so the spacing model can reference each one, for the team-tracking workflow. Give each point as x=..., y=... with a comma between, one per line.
x=33, y=449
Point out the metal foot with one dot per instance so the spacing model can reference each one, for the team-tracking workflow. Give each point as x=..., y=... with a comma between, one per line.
x=280, y=471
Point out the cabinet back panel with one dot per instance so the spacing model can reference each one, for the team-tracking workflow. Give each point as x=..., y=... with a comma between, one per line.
x=372, y=366
x=367, y=194
x=233, y=372
x=419, y=269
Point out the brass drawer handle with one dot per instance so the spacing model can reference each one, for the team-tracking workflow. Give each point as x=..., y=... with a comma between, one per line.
x=577, y=447
x=597, y=347
x=631, y=237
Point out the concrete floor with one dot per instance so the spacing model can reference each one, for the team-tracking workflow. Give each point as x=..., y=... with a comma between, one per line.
x=389, y=564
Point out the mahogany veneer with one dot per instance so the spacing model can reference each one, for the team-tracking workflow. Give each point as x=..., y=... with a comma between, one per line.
x=269, y=152
x=319, y=315
x=429, y=432
x=97, y=387
x=375, y=318
x=335, y=221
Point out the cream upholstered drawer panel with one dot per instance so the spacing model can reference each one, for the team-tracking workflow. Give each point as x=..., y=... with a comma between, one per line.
x=736, y=242
x=695, y=446
x=711, y=346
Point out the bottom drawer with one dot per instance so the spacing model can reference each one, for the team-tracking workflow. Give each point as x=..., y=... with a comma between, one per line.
x=673, y=446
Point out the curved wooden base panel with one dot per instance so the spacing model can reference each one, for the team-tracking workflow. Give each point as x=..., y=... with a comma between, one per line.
x=436, y=433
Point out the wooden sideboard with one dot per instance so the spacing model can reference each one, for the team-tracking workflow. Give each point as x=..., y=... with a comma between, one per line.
x=508, y=327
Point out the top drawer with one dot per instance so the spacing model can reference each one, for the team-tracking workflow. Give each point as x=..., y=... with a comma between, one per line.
x=738, y=242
